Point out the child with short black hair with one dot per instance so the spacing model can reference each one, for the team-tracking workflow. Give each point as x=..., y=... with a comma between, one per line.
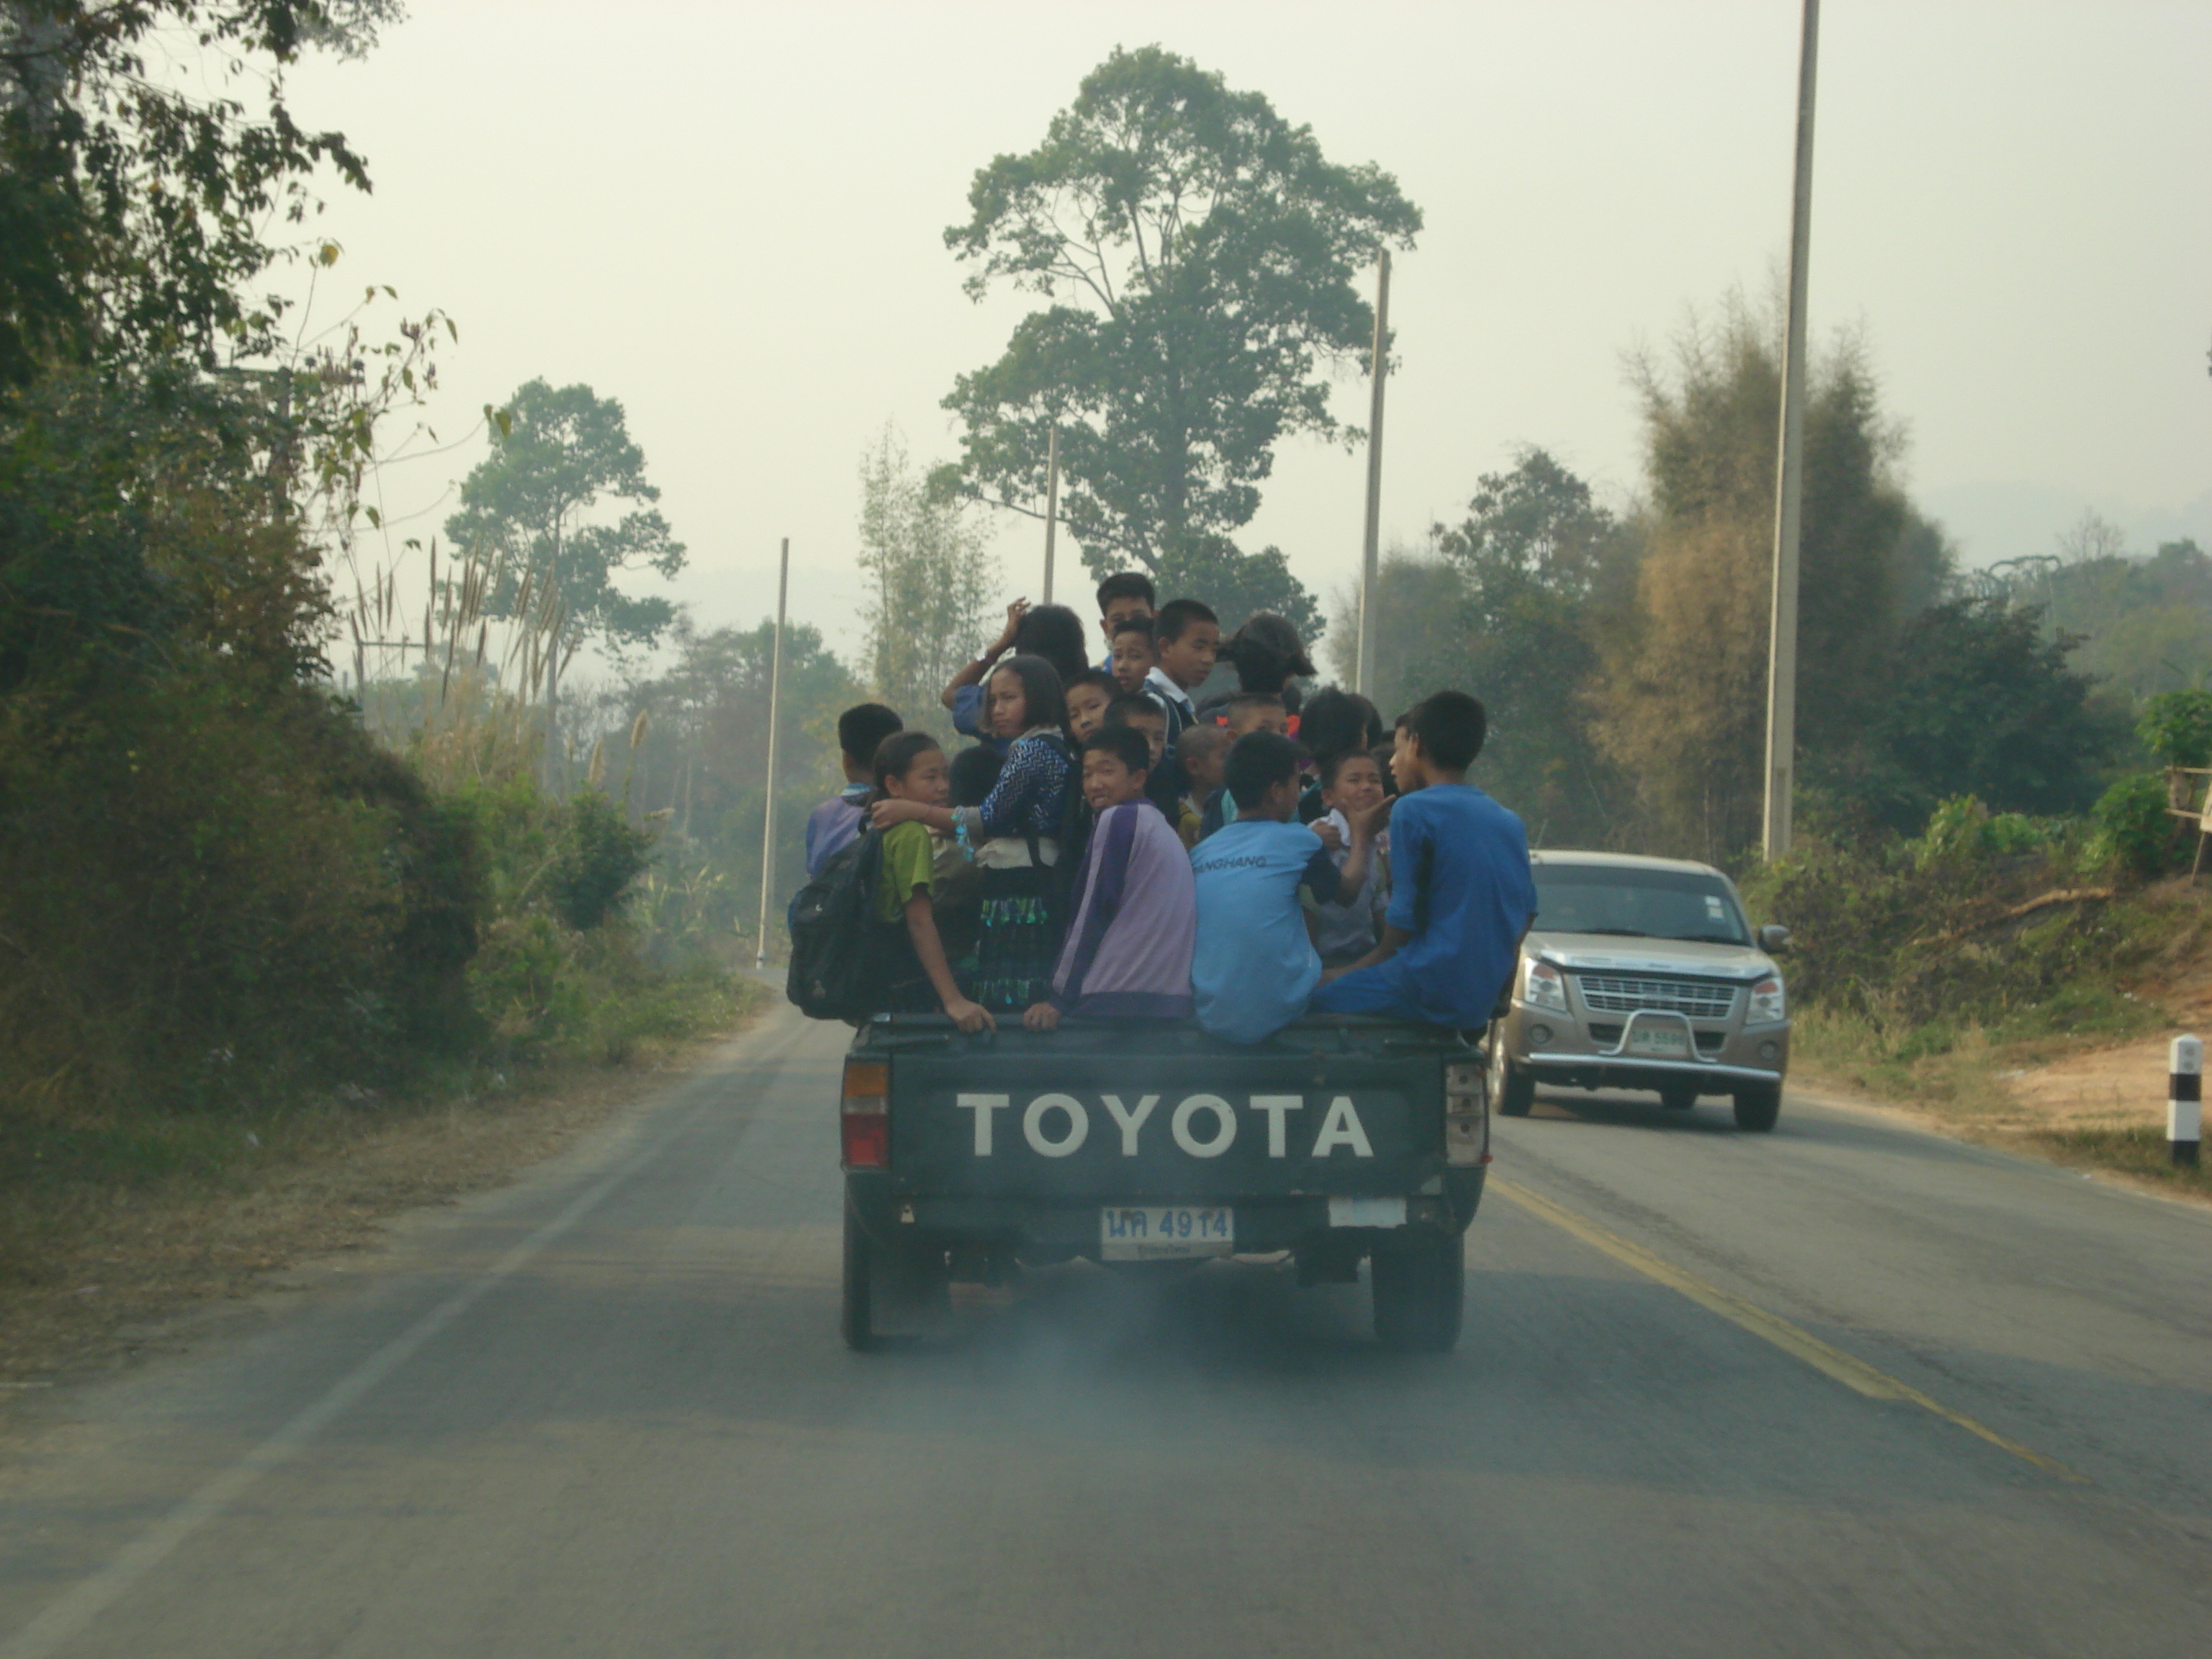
x=1334, y=721
x=1088, y=694
x=837, y=822
x=1015, y=833
x=1187, y=636
x=1245, y=712
x=1124, y=594
x=1144, y=713
x=1351, y=783
x=910, y=767
x=1254, y=967
x=1134, y=914
x=1201, y=755
x=1462, y=895
x=1134, y=656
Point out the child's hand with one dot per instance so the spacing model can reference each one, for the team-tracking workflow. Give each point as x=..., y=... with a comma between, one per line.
x=970, y=1016
x=1041, y=1017
x=885, y=813
x=1015, y=612
x=1331, y=836
x=1368, y=823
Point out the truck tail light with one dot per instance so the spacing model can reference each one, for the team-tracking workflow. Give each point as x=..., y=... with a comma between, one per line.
x=864, y=1115
x=1467, y=1114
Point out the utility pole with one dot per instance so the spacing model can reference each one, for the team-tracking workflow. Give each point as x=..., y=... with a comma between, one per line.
x=1782, y=648
x=774, y=701
x=1051, y=504
x=1369, y=555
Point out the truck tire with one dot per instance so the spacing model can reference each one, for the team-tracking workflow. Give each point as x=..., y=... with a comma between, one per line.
x=1512, y=1089
x=1757, y=1108
x=856, y=1312
x=1419, y=1280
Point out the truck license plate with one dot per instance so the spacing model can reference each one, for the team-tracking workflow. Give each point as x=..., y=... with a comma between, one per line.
x=1659, y=1041
x=1158, y=1232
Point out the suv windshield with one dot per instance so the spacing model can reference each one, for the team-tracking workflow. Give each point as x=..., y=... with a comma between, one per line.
x=1644, y=903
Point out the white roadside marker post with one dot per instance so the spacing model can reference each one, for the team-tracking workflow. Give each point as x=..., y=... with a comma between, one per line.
x=2185, y=1094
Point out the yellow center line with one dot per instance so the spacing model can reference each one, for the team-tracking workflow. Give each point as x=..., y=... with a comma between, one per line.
x=1824, y=1357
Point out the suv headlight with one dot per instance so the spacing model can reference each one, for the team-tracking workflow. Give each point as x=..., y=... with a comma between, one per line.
x=1767, y=1006
x=1543, y=986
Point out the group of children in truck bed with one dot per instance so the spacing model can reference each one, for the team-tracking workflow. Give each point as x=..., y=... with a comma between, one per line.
x=1109, y=850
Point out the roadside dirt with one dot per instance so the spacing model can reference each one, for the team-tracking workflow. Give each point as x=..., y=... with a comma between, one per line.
x=2096, y=1106
x=108, y=1266
x=2123, y=1084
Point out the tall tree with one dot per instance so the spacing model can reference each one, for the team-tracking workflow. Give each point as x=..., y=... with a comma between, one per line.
x=1683, y=701
x=527, y=511
x=1534, y=554
x=1984, y=704
x=1198, y=254
x=932, y=584
x=135, y=205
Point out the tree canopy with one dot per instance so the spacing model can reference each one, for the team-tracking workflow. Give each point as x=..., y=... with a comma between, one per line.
x=527, y=506
x=1199, y=253
x=135, y=211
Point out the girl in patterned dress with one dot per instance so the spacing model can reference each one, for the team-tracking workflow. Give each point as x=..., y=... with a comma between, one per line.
x=1015, y=835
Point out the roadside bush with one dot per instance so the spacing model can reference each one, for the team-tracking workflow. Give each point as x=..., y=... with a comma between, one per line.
x=2176, y=727
x=2133, y=832
x=216, y=890
x=602, y=855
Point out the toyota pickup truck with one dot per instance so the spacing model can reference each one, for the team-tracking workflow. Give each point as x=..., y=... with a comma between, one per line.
x=968, y=1157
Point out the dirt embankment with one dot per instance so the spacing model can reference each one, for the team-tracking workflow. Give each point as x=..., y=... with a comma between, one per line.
x=2087, y=1098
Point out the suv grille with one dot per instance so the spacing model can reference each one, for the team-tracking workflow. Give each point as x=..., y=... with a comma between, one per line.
x=1607, y=994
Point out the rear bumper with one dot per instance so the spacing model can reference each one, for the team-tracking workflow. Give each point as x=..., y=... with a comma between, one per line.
x=1060, y=1229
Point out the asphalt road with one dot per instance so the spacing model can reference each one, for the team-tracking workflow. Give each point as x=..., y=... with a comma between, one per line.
x=1844, y=1389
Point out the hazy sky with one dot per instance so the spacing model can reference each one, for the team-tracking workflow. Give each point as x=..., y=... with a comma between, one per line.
x=730, y=217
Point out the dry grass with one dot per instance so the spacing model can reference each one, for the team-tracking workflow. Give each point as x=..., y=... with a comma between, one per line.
x=2080, y=1080
x=113, y=1225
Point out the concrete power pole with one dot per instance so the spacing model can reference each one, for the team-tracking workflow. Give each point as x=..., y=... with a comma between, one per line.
x=774, y=709
x=1790, y=495
x=1369, y=553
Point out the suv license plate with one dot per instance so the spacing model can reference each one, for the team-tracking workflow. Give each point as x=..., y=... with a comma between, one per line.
x=1154, y=1232
x=1659, y=1041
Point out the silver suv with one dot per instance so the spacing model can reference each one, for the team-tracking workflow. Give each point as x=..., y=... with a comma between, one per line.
x=1643, y=974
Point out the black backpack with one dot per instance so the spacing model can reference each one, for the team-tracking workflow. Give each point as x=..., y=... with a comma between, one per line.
x=838, y=959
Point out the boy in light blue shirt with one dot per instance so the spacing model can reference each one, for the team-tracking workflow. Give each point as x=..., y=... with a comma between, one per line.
x=1461, y=893
x=1254, y=966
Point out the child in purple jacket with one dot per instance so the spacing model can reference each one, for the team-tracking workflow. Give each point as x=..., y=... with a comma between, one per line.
x=1135, y=904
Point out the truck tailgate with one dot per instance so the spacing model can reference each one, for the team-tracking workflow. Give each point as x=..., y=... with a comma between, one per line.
x=1068, y=1120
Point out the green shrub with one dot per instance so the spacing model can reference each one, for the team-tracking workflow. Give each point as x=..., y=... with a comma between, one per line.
x=601, y=855
x=2176, y=727
x=1962, y=829
x=2133, y=830
x=217, y=890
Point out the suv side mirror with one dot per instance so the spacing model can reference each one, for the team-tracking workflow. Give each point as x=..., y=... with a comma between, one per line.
x=1774, y=939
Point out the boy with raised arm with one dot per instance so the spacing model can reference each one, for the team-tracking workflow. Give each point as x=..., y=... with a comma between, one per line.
x=1128, y=954
x=1462, y=895
x=1253, y=968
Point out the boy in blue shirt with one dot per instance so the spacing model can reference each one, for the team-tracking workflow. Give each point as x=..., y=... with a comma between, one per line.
x=1462, y=895
x=1254, y=966
x=837, y=822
